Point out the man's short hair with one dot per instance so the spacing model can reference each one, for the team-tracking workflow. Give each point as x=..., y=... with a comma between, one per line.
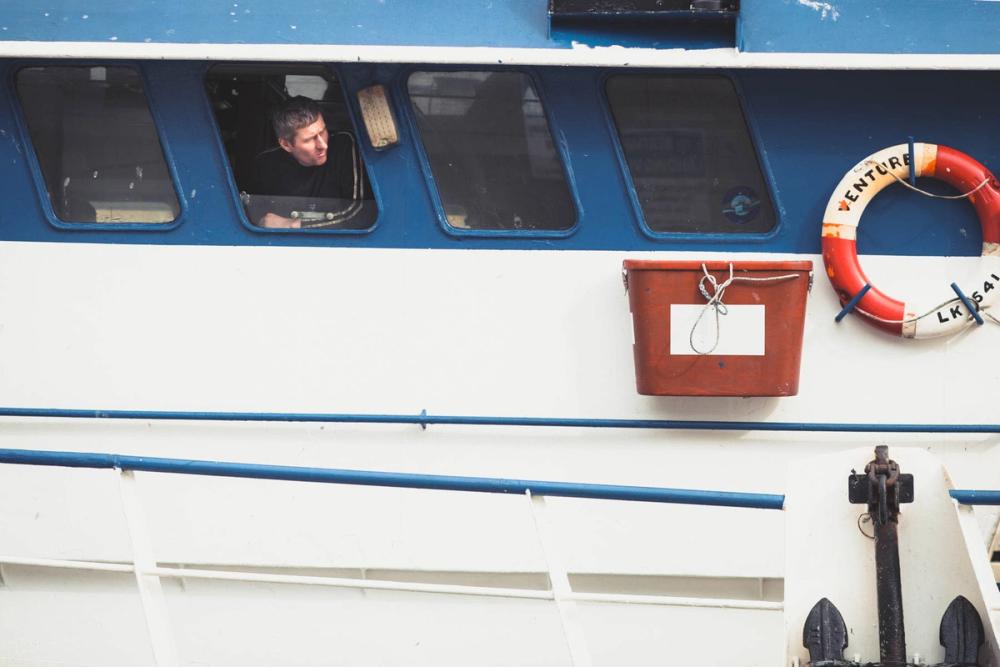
x=293, y=115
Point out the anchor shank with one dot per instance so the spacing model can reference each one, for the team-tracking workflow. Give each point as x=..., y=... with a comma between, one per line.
x=891, y=637
x=883, y=506
x=883, y=487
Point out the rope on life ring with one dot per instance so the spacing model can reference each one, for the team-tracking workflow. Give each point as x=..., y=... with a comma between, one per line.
x=840, y=253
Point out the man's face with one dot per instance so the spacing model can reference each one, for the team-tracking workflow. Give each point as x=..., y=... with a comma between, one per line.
x=309, y=144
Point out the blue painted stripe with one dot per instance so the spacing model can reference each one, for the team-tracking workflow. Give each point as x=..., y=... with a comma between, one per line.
x=512, y=23
x=476, y=23
x=870, y=26
x=975, y=496
x=424, y=419
x=783, y=108
x=393, y=479
x=861, y=26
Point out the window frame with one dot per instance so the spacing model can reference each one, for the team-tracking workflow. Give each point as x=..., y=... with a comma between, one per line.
x=753, y=134
x=34, y=165
x=353, y=113
x=401, y=87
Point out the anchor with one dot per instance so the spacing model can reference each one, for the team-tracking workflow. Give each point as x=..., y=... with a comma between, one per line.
x=883, y=488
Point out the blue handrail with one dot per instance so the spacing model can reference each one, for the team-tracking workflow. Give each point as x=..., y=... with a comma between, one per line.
x=424, y=419
x=422, y=481
x=976, y=496
x=393, y=479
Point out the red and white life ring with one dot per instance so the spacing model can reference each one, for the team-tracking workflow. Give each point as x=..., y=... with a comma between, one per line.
x=840, y=253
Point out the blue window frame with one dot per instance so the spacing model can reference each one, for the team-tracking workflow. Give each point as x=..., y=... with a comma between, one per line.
x=244, y=97
x=97, y=151
x=689, y=155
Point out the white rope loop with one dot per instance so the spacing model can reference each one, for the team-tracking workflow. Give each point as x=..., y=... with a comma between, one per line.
x=714, y=300
x=910, y=320
x=931, y=194
x=983, y=310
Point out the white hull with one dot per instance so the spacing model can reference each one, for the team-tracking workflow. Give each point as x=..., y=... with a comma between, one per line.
x=511, y=333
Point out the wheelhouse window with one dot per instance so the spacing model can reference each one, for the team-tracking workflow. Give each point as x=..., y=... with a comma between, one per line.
x=97, y=145
x=292, y=147
x=689, y=152
x=490, y=151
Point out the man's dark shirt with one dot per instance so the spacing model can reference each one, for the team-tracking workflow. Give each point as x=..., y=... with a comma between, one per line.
x=342, y=176
x=335, y=192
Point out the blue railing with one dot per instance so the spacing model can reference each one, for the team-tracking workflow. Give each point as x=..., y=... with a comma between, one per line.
x=423, y=419
x=423, y=481
x=393, y=479
x=976, y=497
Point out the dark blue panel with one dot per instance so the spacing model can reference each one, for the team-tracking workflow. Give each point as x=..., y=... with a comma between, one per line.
x=470, y=22
x=809, y=127
x=496, y=23
x=864, y=26
x=869, y=26
x=814, y=126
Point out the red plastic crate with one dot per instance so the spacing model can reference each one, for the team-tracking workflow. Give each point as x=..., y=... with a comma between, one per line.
x=760, y=338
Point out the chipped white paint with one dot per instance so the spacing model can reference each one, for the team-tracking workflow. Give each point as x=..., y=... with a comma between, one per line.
x=824, y=8
x=579, y=55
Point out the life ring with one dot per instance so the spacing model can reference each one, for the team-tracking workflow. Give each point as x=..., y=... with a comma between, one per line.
x=859, y=186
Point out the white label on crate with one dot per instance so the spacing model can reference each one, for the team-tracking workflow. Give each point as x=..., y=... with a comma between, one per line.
x=740, y=330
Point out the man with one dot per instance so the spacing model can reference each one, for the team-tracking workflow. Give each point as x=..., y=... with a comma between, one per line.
x=309, y=164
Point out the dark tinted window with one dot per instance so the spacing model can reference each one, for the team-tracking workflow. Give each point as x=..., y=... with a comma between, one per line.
x=97, y=144
x=689, y=152
x=491, y=152
x=277, y=189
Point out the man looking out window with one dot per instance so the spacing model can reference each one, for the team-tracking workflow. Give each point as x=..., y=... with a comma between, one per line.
x=317, y=178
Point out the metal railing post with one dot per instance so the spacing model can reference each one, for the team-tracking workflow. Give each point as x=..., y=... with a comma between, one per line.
x=154, y=604
x=561, y=589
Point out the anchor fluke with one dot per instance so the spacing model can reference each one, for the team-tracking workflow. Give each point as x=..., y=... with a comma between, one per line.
x=961, y=633
x=825, y=633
